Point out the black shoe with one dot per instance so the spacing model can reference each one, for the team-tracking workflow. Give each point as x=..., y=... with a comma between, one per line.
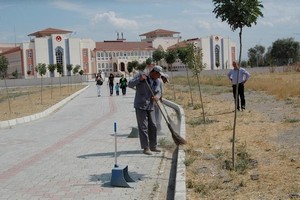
x=155, y=149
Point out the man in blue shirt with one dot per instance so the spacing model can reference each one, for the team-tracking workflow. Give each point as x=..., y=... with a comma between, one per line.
x=240, y=81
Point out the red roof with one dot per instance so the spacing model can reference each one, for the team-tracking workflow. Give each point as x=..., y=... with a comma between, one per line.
x=159, y=32
x=7, y=50
x=49, y=32
x=120, y=45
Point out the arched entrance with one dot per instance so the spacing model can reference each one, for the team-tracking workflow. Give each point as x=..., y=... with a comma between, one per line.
x=115, y=67
x=122, y=67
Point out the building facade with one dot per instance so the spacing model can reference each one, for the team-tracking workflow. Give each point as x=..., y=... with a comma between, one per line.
x=51, y=46
x=56, y=46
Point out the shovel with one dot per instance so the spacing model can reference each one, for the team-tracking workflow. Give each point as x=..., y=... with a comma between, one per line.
x=119, y=174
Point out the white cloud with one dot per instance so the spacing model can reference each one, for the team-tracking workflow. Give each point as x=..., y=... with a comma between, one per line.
x=114, y=20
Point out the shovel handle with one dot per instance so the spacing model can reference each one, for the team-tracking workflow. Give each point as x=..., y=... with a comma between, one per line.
x=115, y=129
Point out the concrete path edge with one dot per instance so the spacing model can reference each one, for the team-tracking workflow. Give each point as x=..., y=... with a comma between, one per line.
x=180, y=186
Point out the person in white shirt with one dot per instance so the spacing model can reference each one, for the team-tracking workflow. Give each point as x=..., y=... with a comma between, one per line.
x=158, y=116
x=244, y=75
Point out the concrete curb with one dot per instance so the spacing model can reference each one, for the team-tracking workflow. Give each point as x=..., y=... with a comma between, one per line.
x=21, y=120
x=180, y=186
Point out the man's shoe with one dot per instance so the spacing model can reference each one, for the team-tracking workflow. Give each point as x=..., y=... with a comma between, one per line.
x=147, y=151
x=155, y=149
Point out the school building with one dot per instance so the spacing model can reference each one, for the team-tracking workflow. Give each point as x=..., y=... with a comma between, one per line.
x=57, y=46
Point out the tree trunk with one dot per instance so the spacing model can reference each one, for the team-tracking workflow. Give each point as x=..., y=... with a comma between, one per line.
x=199, y=87
x=190, y=87
x=7, y=94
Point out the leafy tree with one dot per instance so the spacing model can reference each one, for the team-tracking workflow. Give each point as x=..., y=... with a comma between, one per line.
x=148, y=61
x=130, y=68
x=256, y=55
x=15, y=73
x=170, y=57
x=141, y=66
x=157, y=55
x=3, y=73
x=69, y=69
x=76, y=70
x=51, y=68
x=285, y=51
x=238, y=14
x=60, y=70
x=183, y=55
x=41, y=69
x=81, y=73
x=134, y=65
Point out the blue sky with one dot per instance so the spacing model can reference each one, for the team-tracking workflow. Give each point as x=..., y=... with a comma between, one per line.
x=102, y=19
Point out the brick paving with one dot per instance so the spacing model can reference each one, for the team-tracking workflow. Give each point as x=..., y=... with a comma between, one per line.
x=69, y=154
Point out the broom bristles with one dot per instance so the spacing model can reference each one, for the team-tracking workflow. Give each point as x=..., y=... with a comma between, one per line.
x=178, y=140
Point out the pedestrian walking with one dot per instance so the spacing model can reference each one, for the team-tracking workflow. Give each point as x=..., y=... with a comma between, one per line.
x=99, y=83
x=111, y=83
x=123, y=84
x=117, y=88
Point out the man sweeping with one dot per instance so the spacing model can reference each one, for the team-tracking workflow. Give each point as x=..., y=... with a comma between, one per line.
x=144, y=106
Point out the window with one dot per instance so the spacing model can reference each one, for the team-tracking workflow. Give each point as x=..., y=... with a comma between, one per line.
x=85, y=52
x=217, y=55
x=59, y=55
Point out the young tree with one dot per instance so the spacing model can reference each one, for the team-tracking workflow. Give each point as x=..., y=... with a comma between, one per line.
x=60, y=70
x=76, y=70
x=183, y=55
x=238, y=14
x=41, y=69
x=51, y=68
x=141, y=66
x=157, y=55
x=195, y=63
x=130, y=68
x=3, y=74
x=81, y=73
x=148, y=61
x=69, y=69
x=170, y=57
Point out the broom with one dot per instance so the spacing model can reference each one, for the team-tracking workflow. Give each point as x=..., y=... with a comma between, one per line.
x=178, y=140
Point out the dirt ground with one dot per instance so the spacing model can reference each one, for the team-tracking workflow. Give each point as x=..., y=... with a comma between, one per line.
x=267, y=137
x=26, y=101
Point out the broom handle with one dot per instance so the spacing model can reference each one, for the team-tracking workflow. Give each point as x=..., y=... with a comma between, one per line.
x=156, y=102
x=115, y=129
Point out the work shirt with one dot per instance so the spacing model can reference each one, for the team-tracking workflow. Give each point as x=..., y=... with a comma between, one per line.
x=143, y=95
x=243, y=75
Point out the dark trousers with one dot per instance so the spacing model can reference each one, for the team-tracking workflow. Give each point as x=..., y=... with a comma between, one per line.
x=111, y=88
x=123, y=90
x=241, y=96
x=147, y=128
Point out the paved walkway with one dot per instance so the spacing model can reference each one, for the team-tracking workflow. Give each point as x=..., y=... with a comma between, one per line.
x=69, y=154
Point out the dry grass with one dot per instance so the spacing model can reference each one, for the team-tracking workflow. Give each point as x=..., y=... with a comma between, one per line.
x=281, y=85
x=26, y=101
x=265, y=168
